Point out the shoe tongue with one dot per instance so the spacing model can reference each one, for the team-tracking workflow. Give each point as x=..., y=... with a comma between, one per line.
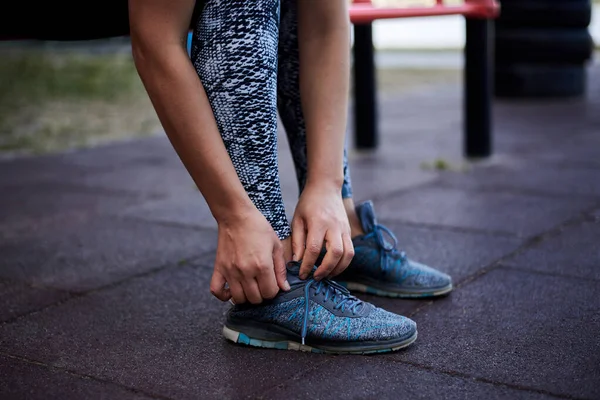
x=366, y=215
x=293, y=272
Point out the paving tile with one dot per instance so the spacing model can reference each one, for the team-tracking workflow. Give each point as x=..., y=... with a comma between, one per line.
x=517, y=175
x=458, y=254
x=519, y=328
x=522, y=215
x=151, y=151
x=187, y=208
x=39, y=170
x=160, y=334
x=574, y=252
x=75, y=166
x=26, y=381
x=28, y=210
x=379, y=378
x=155, y=180
x=17, y=299
x=376, y=182
x=99, y=253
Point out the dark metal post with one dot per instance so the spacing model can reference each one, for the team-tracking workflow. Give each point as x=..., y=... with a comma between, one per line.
x=365, y=99
x=479, y=53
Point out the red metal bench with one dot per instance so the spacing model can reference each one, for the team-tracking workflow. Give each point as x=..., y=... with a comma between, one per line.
x=478, y=90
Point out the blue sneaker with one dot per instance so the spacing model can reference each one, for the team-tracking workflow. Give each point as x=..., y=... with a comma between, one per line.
x=379, y=268
x=320, y=317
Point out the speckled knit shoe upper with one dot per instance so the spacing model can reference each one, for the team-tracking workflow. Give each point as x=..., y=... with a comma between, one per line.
x=322, y=316
x=378, y=267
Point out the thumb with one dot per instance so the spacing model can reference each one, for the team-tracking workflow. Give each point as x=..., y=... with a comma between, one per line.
x=217, y=286
x=280, y=269
x=298, y=239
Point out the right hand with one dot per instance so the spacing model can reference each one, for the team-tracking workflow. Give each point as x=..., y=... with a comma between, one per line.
x=249, y=259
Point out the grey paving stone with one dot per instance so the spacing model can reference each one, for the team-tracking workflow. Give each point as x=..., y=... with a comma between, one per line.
x=160, y=334
x=574, y=252
x=458, y=254
x=143, y=179
x=571, y=153
x=17, y=299
x=518, y=175
x=30, y=210
x=152, y=151
x=522, y=215
x=22, y=380
x=187, y=208
x=38, y=170
x=99, y=253
x=379, y=378
x=519, y=328
x=376, y=182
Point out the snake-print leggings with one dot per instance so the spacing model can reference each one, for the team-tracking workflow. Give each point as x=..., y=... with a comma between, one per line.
x=246, y=55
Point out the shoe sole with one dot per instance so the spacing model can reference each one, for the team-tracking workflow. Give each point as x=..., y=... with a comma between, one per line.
x=362, y=288
x=241, y=338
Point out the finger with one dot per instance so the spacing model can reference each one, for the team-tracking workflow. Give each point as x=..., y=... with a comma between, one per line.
x=217, y=286
x=252, y=292
x=314, y=245
x=279, y=269
x=237, y=292
x=335, y=251
x=267, y=285
x=347, y=257
x=298, y=239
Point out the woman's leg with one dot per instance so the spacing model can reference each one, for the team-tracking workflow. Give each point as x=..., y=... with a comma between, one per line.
x=290, y=106
x=376, y=267
x=234, y=51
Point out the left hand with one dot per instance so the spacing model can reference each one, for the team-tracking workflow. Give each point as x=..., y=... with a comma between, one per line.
x=320, y=217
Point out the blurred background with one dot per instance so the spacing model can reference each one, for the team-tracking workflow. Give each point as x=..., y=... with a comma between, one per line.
x=58, y=95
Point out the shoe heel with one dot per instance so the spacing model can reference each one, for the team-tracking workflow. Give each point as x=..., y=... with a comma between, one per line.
x=242, y=338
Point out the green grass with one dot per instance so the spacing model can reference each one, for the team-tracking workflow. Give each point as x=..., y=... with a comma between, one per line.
x=52, y=101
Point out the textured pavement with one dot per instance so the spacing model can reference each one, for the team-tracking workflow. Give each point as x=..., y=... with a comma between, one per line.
x=106, y=256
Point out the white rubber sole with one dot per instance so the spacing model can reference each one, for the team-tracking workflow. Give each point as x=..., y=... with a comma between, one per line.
x=241, y=338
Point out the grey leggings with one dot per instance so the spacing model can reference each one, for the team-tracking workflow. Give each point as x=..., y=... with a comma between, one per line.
x=246, y=55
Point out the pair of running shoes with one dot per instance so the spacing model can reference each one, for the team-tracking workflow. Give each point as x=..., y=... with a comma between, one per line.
x=324, y=317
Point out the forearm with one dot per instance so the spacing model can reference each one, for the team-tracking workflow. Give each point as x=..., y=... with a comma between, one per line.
x=185, y=113
x=324, y=84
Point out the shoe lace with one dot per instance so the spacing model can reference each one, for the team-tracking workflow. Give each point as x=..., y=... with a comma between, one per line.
x=339, y=295
x=387, y=249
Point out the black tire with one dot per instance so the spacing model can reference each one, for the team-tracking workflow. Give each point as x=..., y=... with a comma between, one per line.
x=545, y=14
x=552, y=46
x=533, y=81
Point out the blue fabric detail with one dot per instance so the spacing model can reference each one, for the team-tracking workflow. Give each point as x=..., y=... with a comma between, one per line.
x=340, y=296
x=324, y=334
x=242, y=338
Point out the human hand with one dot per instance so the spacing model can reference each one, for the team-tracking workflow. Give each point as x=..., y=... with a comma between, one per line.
x=249, y=259
x=320, y=217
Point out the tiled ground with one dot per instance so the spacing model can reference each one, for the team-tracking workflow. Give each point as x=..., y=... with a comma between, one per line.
x=106, y=257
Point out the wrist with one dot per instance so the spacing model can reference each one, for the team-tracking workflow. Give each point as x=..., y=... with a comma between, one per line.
x=325, y=183
x=233, y=213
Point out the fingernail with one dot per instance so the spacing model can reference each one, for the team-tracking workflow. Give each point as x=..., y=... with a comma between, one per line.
x=294, y=257
x=286, y=286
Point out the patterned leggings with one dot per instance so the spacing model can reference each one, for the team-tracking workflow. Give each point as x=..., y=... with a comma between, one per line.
x=246, y=55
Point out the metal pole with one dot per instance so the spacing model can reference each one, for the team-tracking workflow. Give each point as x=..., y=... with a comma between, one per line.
x=479, y=50
x=365, y=99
